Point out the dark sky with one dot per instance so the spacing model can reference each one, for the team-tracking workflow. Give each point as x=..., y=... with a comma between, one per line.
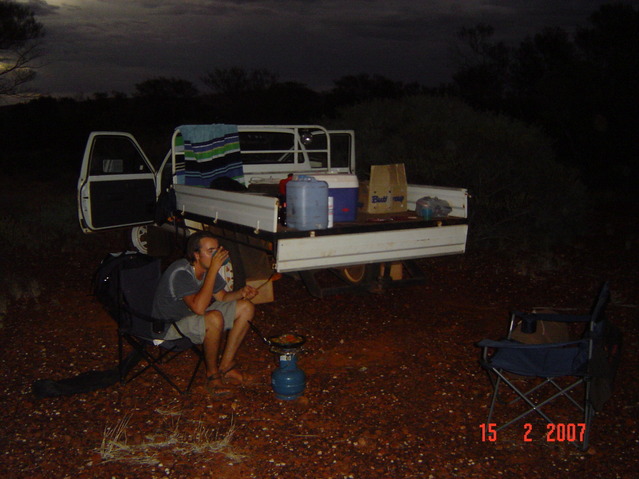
x=110, y=45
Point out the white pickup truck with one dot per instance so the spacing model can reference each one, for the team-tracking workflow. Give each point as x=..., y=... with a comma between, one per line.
x=118, y=188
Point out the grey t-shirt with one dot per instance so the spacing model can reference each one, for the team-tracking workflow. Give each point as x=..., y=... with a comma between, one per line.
x=178, y=281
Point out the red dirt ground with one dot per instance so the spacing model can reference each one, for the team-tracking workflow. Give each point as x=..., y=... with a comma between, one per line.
x=394, y=387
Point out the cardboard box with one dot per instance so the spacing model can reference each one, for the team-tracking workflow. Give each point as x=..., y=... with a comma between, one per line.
x=265, y=288
x=386, y=191
x=343, y=189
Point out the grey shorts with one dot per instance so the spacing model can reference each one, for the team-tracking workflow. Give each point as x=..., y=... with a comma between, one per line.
x=193, y=326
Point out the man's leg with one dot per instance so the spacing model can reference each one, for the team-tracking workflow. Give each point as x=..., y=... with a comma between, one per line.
x=244, y=312
x=213, y=326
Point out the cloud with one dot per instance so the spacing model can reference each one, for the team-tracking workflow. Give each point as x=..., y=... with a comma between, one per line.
x=42, y=8
x=104, y=45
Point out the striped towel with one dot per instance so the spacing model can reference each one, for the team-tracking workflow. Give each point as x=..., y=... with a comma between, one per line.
x=211, y=152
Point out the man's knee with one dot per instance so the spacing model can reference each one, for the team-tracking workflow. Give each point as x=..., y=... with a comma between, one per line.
x=213, y=320
x=244, y=309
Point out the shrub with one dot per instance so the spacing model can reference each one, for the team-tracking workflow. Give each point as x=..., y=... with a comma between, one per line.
x=38, y=220
x=520, y=194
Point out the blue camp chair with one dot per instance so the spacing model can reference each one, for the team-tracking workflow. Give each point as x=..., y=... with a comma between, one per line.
x=579, y=370
x=125, y=285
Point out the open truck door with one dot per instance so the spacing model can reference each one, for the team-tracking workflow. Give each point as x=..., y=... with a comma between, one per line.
x=117, y=184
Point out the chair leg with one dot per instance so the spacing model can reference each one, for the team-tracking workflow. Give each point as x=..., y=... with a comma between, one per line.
x=589, y=413
x=533, y=407
x=164, y=356
x=566, y=394
x=588, y=409
x=493, y=400
x=151, y=363
x=529, y=392
x=120, y=360
x=200, y=359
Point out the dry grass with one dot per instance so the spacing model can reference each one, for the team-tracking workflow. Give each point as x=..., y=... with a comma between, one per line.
x=202, y=441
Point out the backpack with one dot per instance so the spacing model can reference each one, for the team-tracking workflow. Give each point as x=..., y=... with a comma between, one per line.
x=105, y=281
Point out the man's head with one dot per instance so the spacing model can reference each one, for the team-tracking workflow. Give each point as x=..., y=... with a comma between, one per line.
x=199, y=245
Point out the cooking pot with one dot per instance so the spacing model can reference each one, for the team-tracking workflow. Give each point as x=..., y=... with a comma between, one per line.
x=282, y=341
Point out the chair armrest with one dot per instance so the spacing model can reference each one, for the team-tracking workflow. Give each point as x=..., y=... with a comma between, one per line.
x=146, y=317
x=506, y=343
x=560, y=318
x=158, y=325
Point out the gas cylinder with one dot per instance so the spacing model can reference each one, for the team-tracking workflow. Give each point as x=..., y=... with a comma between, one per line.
x=288, y=380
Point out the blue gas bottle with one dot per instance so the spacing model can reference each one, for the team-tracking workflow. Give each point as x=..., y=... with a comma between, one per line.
x=288, y=380
x=307, y=203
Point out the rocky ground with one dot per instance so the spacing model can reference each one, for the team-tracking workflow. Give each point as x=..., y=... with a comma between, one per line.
x=394, y=386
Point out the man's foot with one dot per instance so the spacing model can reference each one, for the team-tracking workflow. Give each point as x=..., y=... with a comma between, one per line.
x=215, y=386
x=234, y=376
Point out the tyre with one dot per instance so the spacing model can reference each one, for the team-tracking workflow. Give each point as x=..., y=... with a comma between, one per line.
x=235, y=267
x=139, y=239
x=360, y=273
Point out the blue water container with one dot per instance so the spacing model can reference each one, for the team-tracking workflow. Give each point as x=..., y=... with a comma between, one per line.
x=307, y=203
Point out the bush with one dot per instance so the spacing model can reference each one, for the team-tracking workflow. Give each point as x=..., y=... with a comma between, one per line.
x=38, y=220
x=520, y=195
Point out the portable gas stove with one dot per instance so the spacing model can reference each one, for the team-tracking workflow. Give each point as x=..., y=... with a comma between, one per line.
x=288, y=380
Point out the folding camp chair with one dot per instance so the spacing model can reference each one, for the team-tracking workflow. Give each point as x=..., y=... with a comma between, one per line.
x=126, y=285
x=551, y=371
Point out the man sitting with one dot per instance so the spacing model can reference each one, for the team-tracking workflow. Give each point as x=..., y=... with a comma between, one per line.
x=186, y=291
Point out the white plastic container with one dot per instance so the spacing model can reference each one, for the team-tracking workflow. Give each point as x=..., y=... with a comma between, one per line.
x=307, y=203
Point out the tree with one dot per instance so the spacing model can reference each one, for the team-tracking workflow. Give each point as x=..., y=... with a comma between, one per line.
x=521, y=195
x=482, y=76
x=610, y=47
x=539, y=57
x=20, y=40
x=165, y=88
x=581, y=89
x=351, y=89
x=236, y=80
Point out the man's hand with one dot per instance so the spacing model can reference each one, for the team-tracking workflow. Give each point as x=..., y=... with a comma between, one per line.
x=219, y=258
x=249, y=292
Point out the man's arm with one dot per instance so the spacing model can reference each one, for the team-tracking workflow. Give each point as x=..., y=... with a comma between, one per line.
x=247, y=292
x=199, y=301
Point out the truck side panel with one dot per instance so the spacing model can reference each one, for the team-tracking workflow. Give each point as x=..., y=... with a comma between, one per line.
x=252, y=210
x=298, y=254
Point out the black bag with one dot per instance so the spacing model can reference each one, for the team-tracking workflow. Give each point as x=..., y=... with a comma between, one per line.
x=166, y=206
x=227, y=184
x=85, y=382
x=105, y=286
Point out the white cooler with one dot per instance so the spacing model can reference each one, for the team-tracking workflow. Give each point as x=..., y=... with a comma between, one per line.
x=343, y=189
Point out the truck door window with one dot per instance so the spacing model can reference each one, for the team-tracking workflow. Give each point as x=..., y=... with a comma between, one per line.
x=317, y=149
x=116, y=156
x=258, y=148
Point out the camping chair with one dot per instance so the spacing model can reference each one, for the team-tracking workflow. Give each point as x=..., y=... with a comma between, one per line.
x=557, y=368
x=137, y=277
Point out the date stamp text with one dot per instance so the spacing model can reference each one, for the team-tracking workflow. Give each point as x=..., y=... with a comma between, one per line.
x=555, y=432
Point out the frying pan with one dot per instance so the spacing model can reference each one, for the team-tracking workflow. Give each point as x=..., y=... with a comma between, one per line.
x=274, y=340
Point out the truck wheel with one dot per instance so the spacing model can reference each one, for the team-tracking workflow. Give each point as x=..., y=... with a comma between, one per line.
x=139, y=239
x=226, y=272
x=360, y=273
x=237, y=266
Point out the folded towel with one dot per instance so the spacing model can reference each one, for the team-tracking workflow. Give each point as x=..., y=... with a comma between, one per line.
x=211, y=152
